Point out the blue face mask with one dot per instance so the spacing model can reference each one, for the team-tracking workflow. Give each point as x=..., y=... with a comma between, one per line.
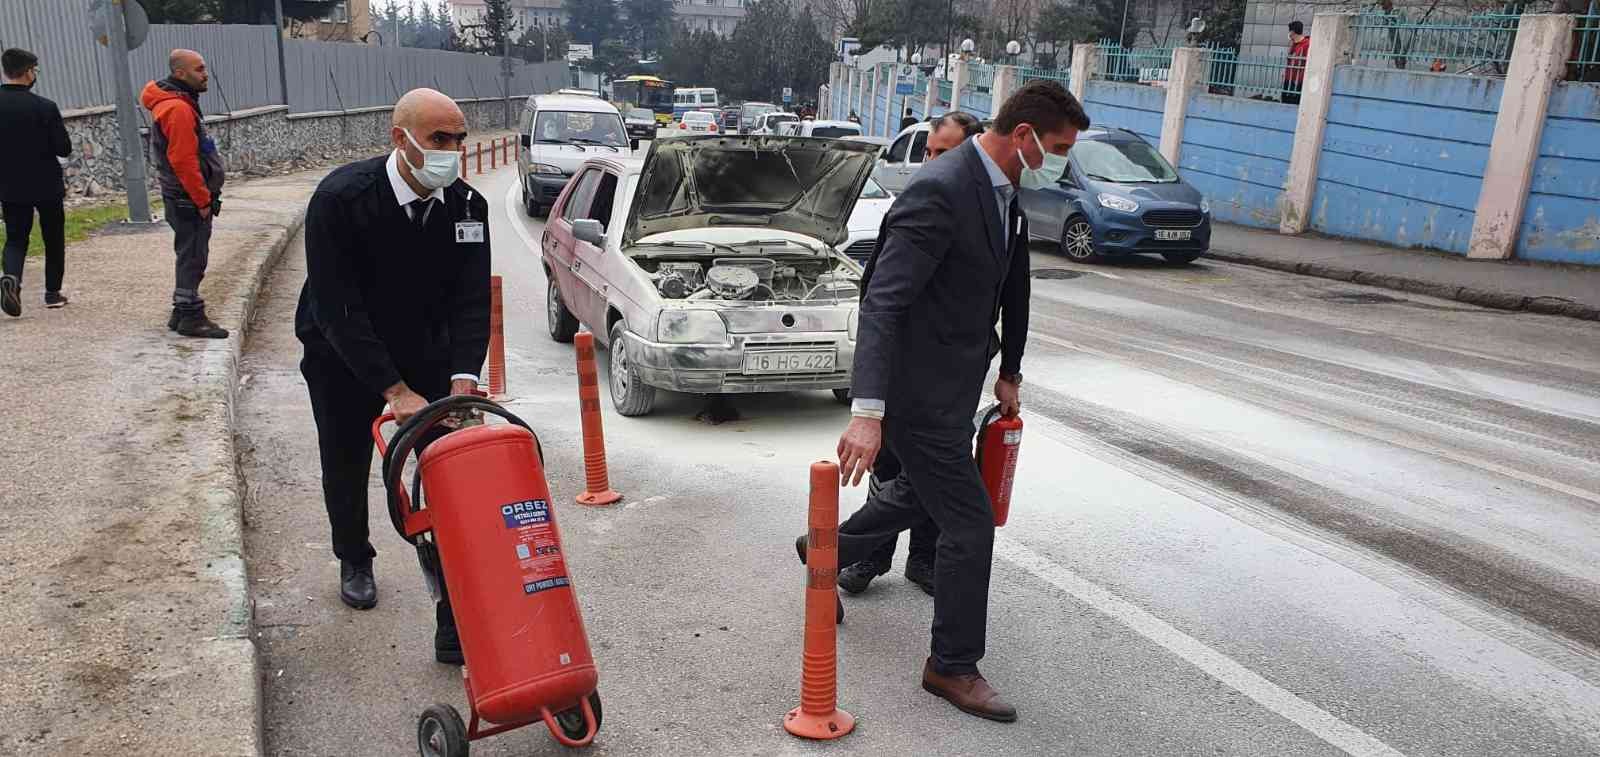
x=1048, y=174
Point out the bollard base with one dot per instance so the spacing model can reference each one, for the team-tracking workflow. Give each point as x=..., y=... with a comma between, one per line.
x=596, y=499
x=830, y=726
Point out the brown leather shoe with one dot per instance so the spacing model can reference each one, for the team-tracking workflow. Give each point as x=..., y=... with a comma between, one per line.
x=970, y=693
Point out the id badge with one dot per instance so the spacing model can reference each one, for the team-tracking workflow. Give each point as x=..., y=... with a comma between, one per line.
x=469, y=232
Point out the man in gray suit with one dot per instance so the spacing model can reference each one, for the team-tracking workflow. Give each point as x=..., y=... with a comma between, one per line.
x=954, y=257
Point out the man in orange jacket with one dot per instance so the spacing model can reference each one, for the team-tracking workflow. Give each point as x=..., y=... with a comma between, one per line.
x=192, y=173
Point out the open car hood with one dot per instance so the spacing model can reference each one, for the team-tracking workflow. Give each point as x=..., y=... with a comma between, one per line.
x=800, y=185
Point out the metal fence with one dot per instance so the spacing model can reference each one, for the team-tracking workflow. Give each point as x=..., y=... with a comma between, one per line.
x=1026, y=74
x=1255, y=76
x=1586, y=49
x=1145, y=65
x=1476, y=44
x=334, y=76
x=977, y=97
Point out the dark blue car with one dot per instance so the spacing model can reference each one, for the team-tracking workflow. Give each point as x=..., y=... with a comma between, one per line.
x=1120, y=197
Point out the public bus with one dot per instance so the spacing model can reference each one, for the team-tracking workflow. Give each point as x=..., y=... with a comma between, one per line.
x=643, y=91
x=693, y=98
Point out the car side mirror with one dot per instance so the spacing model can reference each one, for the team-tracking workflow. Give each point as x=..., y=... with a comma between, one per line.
x=527, y=140
x=589, y=230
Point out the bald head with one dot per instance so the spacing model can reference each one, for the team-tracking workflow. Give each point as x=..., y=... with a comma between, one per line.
x=189, y=67
x=432, y=119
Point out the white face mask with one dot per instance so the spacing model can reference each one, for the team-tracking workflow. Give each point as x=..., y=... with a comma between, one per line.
x=1049, y=172
x=439, y=167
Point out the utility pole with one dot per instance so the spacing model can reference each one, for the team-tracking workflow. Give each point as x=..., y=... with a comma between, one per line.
x=134, y=177
x=277, y=33
x=1122, y=31
x=505, y=70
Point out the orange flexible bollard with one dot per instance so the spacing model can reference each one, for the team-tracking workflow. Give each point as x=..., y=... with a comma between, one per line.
x=497, y=340
x=463, y=160
x=597, y=489
x=818, y=716
x=479, y=151
x=494, y=153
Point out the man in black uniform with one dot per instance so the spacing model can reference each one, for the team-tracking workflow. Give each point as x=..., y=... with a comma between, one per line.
x=34, y=135
x=395, y=309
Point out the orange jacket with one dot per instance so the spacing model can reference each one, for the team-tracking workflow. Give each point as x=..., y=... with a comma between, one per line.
x=178, y=119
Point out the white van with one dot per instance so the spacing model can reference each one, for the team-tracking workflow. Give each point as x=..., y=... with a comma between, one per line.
x=558, y=133
x=685, y=99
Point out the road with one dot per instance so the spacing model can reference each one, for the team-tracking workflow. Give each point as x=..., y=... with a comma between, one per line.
x=1255, y=514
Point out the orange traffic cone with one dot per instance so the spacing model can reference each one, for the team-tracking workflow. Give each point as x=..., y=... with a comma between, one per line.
x=497, y=340
x=598, y=481
x=818, y=716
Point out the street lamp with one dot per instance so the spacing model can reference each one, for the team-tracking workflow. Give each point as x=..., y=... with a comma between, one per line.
x=1013, y=49
x=967, y=46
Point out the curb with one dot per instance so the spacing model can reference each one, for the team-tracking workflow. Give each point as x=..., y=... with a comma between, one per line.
x=233, y=648
x=1544, y=305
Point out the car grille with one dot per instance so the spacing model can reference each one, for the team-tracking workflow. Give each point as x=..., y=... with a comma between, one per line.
x=550, y=193
x=861, y=250
x=1184, y=219
x=793, y=380
x=779, y=345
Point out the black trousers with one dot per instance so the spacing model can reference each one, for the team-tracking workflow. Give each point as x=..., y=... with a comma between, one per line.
x=924, y=536
x=938, y=480
x=52, y=227
x=1291, y=93
x=191, y=242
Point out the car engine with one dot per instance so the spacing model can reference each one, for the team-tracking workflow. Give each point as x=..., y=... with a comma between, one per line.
x=752, y=279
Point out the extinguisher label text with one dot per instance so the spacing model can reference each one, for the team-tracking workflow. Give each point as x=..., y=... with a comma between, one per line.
x=534, y=587
x=527, y=513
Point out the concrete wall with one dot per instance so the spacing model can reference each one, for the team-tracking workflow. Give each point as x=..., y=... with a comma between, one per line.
x=1236, y=151
x=1126, y=106
x=1403, y=157
x=1562, y=221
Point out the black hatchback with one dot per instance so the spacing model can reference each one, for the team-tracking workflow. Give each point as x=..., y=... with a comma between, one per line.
x=1120, y=197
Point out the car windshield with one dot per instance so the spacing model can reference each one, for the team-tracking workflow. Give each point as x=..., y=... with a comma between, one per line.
x=833, y=131
x=640, y=114
x=697, y=116
x=751, y=110
x=777, y=118
x=1123, y=161
x=561, y=127
x=874, y=191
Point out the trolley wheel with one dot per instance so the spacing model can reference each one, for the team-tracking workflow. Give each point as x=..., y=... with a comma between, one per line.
x=440, y=732
x=572, y=722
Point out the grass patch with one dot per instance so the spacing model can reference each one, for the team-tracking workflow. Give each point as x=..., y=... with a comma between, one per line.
x=83, y=221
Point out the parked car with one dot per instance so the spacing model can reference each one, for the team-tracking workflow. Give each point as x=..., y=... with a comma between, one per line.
x=830, y=129
x=750, y=111
x=558, y=133
x=903, y=158
x=768, y=123
x=1120, y=197
x=641, y=125
x=718, y=272
x=699, y=122
x=871, y=206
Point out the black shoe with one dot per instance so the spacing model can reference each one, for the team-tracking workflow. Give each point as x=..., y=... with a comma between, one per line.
x=920, y=572
x=9, y=301
x=800, y=549
x=53, y=300
x=357, y=587
x=172, y=320
x=198, y=325
x=446, y=641
x=856, y=578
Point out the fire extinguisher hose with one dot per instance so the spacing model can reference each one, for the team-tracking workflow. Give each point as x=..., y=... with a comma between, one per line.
x=987, y=416
x=411, y=432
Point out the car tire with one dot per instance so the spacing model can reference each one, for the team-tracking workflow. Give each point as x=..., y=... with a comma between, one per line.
x=1077, y=240
x=563, y=324
x=630, y=395
x=528, y=205
x=1181, y=258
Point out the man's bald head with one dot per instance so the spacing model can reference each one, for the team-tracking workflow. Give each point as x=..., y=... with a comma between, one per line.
x=432, y=119
x=189, y=67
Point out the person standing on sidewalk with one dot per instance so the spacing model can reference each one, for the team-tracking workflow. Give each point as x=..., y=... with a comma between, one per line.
x=34, y=135
x=192, y=174
x=395, y=309
x=1294, y=75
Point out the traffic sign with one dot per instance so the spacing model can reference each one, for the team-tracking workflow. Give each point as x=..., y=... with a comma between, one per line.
x=903, y=87
x=788, y=95
x=135, y=22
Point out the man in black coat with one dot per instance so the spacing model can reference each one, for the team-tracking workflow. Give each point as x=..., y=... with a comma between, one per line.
x=395, y=310
x=953, y=258
x=34, y=135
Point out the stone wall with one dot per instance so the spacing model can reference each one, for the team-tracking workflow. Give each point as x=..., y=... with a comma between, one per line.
x=254, y=143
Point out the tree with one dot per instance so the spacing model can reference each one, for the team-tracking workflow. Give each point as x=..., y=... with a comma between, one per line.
x=182, y=11
x=1224, y=25
x=539, y=44
x=490, y=35
x=648, y=25
x=591, y=21
x=1059, y=26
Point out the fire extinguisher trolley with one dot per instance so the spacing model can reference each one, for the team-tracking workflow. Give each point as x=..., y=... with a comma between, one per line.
x=483, y=514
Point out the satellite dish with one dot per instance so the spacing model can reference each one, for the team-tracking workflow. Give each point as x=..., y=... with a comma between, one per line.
x=135, y=21
x=1197, y=25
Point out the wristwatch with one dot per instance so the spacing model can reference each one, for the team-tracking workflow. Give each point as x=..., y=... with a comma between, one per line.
x=1012, y=378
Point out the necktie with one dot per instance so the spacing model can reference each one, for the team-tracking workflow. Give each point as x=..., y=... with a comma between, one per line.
x=419, y=211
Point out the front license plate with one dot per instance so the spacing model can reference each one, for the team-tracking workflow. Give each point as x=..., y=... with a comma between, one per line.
x=817, y=361
x=1173, y=235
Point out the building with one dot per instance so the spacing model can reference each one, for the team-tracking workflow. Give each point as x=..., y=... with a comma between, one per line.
x=343, y=21
x=718, y=16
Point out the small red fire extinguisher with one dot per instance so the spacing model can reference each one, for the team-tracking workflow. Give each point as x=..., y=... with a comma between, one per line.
x=999, y=442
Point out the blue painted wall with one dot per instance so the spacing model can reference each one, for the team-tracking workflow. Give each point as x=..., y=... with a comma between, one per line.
x=1126, y=106
x=1403, y=156
x=1236, y=151
x=1562, y=222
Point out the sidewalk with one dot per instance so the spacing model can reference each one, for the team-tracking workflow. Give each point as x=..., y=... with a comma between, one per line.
x=1572, y=291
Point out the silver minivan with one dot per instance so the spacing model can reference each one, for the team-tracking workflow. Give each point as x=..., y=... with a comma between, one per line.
x=558, y=133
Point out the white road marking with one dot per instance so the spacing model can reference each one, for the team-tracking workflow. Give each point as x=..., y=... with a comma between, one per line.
x=1315, y=720
x=516, y=223
x=1103, y=273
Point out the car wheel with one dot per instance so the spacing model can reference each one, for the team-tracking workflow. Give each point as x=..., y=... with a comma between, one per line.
x=563, y=324
x=630, y=395
x=1181, y=258
x=528, y=205
x=1077, y=240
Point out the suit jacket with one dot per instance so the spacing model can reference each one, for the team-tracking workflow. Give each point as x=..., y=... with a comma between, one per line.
x=933, y=292
x=34, y=136
x=390, y=301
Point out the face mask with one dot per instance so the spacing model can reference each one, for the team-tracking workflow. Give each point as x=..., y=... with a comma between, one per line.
x=1048, y=173
x=439, y=167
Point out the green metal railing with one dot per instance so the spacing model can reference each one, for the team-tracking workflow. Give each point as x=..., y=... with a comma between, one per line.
x=1026, y=74
x=1253, y=76
x=1477, y=44
x=1144, y=65
x=1585, y=60
x=944, y=91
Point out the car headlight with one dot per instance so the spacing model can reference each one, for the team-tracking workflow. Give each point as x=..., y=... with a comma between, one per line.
x=546, y=168
x=853, y=324
x=1205, y=206
x=691, y=327
x=1116, y=202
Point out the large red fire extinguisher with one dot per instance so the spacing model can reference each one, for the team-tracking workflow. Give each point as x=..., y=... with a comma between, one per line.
x=999, y=442
x=488, y=521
